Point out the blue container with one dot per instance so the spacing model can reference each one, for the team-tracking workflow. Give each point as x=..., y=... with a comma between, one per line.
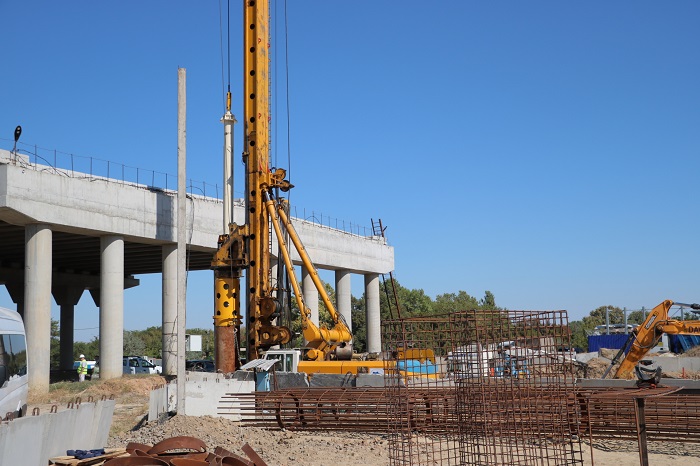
x=414, y=366
x=615, y=341
x=682, y=343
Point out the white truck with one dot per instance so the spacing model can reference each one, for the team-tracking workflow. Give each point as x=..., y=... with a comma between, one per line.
x=139, y=365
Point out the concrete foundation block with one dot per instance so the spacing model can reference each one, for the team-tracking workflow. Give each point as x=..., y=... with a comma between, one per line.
x=24, y=441
x=332, y=380
x=104, y=412
x=284, y=380
x=369, y=380
x=203, y=395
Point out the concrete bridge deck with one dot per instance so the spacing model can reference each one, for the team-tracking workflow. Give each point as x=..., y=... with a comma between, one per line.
x=78, y=232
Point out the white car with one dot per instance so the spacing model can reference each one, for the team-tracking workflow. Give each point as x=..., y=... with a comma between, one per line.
x=138, y=365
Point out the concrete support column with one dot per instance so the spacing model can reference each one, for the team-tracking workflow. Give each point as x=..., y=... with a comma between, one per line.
x=67, y=336
x=67, y=297
x=374, y=331
x=37, y=298
x=343, y=295
x=169, y=291
x=310, y=294
x=111, y=306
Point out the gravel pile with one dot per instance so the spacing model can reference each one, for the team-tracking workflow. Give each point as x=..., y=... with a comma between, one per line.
x=287, y=448
x=596, y=367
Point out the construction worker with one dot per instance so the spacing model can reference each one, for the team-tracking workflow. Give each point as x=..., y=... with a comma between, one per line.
x=82, y=368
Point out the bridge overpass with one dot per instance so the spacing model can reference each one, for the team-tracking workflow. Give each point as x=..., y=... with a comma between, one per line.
x=63, y=232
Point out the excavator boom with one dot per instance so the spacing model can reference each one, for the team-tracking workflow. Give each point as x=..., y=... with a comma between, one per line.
x=648, y=334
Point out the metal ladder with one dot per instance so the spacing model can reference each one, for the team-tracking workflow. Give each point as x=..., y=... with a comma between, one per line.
x=378, y=230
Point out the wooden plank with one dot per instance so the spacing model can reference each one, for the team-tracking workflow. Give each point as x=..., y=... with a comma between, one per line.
x=73, y=461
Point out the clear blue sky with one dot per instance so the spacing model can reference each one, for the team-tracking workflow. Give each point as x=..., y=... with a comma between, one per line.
x=546, y=151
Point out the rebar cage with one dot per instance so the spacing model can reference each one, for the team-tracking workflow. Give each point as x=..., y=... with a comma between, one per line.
x=481, y=388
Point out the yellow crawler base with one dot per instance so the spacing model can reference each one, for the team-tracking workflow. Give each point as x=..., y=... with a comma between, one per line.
x=341, y=367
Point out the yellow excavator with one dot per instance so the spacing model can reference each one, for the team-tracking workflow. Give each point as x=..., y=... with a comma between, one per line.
x=646, y=336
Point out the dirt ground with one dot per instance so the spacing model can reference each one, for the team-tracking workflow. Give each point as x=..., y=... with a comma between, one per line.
x=595, y=368
x=286, y=448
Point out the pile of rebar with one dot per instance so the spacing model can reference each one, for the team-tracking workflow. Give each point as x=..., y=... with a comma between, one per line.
x=360, y=409
x=673, y=417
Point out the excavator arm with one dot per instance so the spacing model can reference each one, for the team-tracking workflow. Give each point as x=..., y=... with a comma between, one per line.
x=648, y=334
x=322, y=342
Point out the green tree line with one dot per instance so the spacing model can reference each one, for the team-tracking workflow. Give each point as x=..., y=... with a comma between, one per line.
x=412, y=303
x=146, y=342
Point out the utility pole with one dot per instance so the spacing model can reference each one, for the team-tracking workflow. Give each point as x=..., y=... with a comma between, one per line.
x=181, y=233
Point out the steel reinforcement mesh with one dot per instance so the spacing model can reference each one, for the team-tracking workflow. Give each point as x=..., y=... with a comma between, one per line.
x=481, y=388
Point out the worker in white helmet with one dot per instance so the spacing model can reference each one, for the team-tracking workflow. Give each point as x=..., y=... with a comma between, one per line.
x=82, y=368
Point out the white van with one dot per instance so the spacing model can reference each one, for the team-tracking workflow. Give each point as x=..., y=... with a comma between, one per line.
x=14, y=384
x=138, y=365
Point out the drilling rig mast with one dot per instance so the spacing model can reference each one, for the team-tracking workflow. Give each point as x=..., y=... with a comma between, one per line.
x=248, y=247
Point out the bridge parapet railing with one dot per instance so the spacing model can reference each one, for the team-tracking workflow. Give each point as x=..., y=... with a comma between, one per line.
x=95, y=168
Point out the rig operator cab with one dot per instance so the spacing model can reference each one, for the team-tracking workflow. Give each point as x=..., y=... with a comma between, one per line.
x=293, y=360
x=287, y=359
